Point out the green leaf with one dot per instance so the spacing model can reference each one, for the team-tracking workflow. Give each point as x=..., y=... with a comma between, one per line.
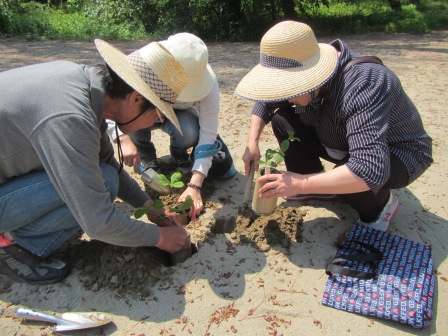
x=291, y=136
x=185, y=205
x=178, y=184
x=139, y=212
x=163, y=180
x=284, y=145
x=175, y=178
x=279, y=158
x=188, y=202
x=158, y=204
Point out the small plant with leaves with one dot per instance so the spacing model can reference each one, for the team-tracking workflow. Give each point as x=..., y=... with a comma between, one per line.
x=173, y=183
x=273, y=158
x=157, y=205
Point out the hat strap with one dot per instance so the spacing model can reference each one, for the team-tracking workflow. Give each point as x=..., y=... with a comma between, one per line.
x=133, y=119
x=162, y=90
x=278, y=62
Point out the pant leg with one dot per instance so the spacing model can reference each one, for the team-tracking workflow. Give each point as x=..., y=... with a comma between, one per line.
x=32, y=211
x=142, y=140
x=302, y=156
x=179, y=143
x=369, y=205
x=222, y=161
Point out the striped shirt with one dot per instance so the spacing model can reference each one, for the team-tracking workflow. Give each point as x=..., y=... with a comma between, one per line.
x=365, y=113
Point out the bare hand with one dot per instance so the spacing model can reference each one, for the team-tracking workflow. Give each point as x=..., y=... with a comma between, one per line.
x=279, y=185
x=164, y=218
x=251, y=153
x=195, y=196
x=131, y=158
x=173, y=239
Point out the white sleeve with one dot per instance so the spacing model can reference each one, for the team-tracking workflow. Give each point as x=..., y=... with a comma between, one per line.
x=208, y=111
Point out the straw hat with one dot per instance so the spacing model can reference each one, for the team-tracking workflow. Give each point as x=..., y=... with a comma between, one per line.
x=151, y=71
x=292, y=63
x=191, y=52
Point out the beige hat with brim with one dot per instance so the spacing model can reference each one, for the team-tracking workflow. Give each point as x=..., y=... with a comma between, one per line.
x=151, y=71
x=292, y=63
x=192, y=53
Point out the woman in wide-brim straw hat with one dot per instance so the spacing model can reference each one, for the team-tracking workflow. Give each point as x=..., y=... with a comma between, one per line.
x=347, y=109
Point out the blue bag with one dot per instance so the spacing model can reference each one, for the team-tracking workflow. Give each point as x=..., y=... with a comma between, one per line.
x=381, y=275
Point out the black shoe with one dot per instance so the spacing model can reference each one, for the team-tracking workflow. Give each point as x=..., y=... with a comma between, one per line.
x=184, y=167
x=23, y=266
x=150, y=164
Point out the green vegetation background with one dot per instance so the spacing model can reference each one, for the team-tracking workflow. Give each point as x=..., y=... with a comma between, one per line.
x=213, y=20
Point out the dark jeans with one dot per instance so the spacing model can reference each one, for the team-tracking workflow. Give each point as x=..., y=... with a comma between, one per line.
x=304, y=156
x=189, y=123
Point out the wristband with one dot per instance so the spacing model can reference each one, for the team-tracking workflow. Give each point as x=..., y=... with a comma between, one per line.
x=194, y=186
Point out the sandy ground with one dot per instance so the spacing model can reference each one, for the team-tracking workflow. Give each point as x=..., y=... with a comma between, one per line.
x=233, y=288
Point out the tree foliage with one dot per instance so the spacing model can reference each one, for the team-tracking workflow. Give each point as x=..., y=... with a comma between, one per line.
x=212, y=20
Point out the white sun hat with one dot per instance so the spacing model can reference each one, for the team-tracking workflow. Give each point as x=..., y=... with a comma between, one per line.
x=151, y=71
x=191, y=52
x=292, y=63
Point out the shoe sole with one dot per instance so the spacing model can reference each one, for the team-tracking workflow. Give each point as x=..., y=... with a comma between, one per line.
x=393, y=214
x=8, y=272
x=310, y=198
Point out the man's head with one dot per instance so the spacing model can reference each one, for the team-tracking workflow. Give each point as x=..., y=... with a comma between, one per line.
x=292, y=64
x=191, y=52
x=151, y=72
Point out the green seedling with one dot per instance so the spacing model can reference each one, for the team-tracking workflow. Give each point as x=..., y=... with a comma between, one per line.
x=157, y=205
x=273, y=158
x=174, y=182
x=184, y=206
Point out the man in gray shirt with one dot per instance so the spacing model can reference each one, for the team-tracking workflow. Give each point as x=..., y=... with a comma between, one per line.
x=58, y=174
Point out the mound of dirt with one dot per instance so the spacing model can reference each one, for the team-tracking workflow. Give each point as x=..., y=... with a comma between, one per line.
x=263, y=231
x=122, y=270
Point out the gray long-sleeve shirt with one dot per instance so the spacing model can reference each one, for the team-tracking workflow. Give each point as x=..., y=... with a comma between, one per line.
x=51, y=119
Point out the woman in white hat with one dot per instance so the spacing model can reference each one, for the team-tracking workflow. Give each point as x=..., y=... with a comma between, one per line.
x=347, y=109
x=197, y=109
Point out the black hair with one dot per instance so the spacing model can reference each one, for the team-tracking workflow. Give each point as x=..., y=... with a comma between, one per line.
x=116, y=87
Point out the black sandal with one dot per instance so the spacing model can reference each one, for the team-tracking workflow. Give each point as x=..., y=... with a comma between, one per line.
x=23, y=266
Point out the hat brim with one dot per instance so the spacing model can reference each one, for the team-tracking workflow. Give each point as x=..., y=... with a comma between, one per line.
x=119, y=63
x=266, y=84
x=195, y=91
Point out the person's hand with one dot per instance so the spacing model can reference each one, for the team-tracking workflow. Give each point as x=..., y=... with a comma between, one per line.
x=131, y=158
x=279, y=185
x=195, y=196
x=251, y=154
x=173, y=239
x=163, y=218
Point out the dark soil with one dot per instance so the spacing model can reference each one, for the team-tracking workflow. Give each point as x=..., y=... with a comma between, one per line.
x=263, y=231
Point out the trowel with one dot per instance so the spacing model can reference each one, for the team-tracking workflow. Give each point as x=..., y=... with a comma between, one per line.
x=68, y=321
x=150, y=178
x=249, y=185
